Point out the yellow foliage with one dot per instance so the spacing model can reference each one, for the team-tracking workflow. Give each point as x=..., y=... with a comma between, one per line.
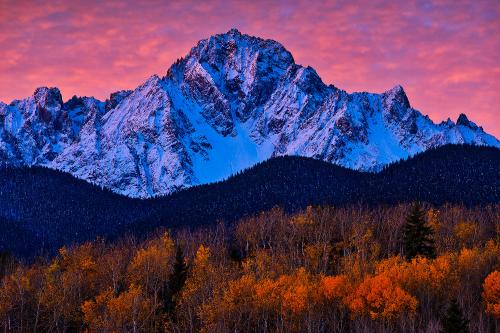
x=470, y=260
x=8, y=294
x=202, y=255
x=433, y=219
x=130, y=309
x=491, y=293
x=126, y=312
x=303, y=219
x=201, y=278
x=364, y=250
x=492, y=249
x=239, y=292
x=200, y=270
x=465, y=232
x=94, y=312
x=237, y=298
x=315, y=254
x=263, y=264
x=150, y=266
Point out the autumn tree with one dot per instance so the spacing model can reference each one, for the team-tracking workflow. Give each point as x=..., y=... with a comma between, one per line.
x=69, y=280
x=201, y=282
x=131, y=311
x=151, y=266
x=491, y=293
x=380, y=298
x=453, y=320
x=417, y=235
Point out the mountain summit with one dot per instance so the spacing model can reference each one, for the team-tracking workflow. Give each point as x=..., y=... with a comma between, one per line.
x=233, y=101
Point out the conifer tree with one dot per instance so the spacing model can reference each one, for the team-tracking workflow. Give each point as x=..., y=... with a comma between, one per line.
x=417, y=235
x=6, y=262
x=176, y=282
x=453, y=321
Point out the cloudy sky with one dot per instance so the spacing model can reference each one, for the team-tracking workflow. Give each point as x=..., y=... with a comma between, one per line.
x=446, y=54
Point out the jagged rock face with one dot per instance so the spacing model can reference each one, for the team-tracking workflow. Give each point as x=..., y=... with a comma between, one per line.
x=37, y=129
x=233, y=101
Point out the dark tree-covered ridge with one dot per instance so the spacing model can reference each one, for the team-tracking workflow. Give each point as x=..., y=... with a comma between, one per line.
x=45, y=209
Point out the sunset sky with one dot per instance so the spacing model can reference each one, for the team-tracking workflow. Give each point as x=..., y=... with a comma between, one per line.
x=446, y=54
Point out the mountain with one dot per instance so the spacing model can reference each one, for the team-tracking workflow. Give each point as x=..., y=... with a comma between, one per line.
x=233, y=101
x=43, y=209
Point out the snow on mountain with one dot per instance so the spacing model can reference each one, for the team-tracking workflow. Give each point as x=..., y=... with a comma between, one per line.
x=233, y=101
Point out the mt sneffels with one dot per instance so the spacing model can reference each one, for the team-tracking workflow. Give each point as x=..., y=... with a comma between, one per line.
x=233, y=101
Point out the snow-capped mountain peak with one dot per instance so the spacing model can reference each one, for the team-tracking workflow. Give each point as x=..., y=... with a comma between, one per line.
x=48, y=97
x=232, y=101
x=464, y=121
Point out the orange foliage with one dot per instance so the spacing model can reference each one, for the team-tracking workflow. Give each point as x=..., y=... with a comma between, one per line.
x=239, y=292
x=289, y=296
x=491, y=293
x=297, y=291
x=335, y=287
x=381, y=298
x=421, y=274
x=267, y=294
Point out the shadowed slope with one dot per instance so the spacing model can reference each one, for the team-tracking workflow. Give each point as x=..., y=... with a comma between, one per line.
x=55, y=208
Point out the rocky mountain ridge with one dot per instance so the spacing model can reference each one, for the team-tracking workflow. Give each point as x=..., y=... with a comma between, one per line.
x=233, y=101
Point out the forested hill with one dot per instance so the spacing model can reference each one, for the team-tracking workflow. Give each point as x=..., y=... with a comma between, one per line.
x=454, y=173
x=44, y=209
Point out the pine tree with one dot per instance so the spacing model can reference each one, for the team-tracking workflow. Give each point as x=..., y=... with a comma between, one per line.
x=6, y=263
x=176, y=282
x=453, y=321
x=417, y=235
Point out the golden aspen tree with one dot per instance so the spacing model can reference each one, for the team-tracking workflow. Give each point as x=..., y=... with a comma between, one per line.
x=151, y=266
x=201, y=285
x=95, y=312
x=131, y=311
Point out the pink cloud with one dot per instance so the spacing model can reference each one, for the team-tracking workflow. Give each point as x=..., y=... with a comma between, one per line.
x=445, y=53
